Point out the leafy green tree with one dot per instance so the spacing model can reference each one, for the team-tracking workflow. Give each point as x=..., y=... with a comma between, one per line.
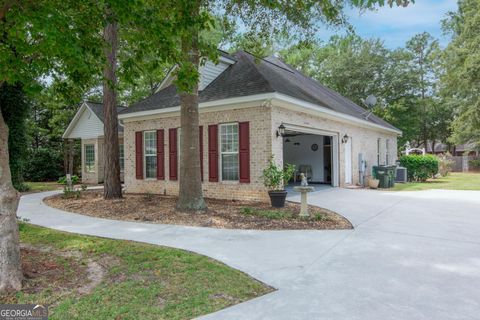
x=460, y=83
x=15, y=108
x=349, y=65
x=425, y=54
x=37, y=38
x=404, y=80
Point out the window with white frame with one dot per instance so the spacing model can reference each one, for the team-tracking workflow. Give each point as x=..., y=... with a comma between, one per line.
x=89, y=158
x=122, y=157
x=229, y=151
x=378, y=151
x=387, y=152
x=150, y=154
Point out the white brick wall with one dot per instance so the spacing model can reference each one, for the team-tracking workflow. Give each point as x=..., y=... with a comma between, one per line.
x=259, y=118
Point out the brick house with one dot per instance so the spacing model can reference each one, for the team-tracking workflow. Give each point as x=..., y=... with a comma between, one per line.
x=251, y=109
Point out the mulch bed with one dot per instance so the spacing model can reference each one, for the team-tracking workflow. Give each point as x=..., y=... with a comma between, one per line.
x=225, y=214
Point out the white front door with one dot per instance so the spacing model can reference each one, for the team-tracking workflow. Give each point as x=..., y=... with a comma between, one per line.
x=348, y=161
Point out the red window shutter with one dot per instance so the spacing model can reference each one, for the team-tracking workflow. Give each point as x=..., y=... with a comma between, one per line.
x=172, y=159
x=213, y=153
x=200, y=137
x=244, y=151
x=139, y=154
x=160, y=154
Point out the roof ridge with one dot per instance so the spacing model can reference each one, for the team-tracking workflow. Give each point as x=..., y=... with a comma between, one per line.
x=254, y=65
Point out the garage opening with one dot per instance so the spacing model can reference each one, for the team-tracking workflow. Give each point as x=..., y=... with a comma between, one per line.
x=313, y=155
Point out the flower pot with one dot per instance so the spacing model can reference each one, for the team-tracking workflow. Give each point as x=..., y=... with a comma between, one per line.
x=373, y=183
x=277, y=198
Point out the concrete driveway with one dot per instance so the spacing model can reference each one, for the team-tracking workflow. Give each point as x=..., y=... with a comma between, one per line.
x=412, y=255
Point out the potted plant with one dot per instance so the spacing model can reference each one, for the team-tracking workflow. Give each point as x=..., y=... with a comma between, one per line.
x=275, y=178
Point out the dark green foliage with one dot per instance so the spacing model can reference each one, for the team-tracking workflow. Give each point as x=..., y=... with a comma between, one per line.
x=44, y=164
x=15, y=107
x=419, y=167
x=474, y=164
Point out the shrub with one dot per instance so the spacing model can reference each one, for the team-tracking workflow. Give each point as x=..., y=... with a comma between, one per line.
x=63, y=180
x=474, y=164
x=445, y=165
x=419, y=167
x=44, y=164
x=69, y=193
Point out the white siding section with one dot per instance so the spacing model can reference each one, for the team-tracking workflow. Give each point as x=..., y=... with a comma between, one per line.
x=210, y=72
x=88, y=126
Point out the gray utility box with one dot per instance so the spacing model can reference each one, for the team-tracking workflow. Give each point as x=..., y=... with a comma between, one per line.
x=401, y=175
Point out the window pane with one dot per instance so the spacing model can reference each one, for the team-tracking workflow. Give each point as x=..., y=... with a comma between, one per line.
x=229, y=137
x=229, y=166
x=150, y=143
x=150, y=166
x=122, y=157
x=90, y=158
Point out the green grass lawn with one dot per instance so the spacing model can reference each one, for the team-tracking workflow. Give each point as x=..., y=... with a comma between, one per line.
x=141, y=281
x=42, y=186
x=454, y=181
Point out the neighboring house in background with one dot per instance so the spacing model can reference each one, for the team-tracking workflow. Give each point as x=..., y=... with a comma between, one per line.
x=454, y=150
x=251, y=109
x=87, y=125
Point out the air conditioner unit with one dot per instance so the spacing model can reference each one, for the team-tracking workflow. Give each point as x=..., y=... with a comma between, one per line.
x=401, y=175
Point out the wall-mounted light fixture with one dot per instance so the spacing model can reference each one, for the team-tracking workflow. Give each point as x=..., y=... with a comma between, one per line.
x=281, y=130
x=345, y=138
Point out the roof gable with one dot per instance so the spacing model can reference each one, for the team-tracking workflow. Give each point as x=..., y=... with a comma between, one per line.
x=88, y=122
x=85, y=125
x=209, y=71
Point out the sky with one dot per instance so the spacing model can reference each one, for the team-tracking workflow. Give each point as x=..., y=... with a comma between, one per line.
x=395, y=26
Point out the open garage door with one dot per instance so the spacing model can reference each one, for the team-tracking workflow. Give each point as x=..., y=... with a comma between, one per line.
x=314, y=152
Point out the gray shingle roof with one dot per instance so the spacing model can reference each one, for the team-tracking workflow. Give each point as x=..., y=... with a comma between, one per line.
x=250, y=76
x=97, y=108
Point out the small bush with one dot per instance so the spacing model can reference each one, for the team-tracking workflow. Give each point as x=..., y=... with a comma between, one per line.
x=63, y=180
x=474, y=164
x=419, y=167
x=445, y=165
x=71, y=193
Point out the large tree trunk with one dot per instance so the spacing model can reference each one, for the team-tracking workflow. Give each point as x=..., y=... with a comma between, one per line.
x=190, y=195
x=10, y=265
x=112, y=184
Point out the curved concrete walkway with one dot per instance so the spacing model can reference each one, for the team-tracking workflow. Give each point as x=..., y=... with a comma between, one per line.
x=412, y=255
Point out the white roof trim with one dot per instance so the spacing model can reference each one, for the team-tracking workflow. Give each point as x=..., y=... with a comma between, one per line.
x=167, y=79
x=276, y=99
